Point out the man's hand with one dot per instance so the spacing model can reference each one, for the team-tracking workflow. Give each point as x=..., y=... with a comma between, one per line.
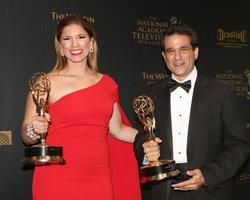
x=152, y=149
x=194, y=183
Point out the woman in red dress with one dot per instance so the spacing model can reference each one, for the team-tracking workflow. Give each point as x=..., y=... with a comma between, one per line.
x=82, y=112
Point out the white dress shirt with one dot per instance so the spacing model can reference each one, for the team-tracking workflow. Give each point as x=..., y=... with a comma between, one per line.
x=180, y=102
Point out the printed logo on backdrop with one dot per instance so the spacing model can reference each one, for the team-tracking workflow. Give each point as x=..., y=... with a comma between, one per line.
x=57, y=16
x=152, y=77
x=6, y=137
x=248, y=125
x=247, y=74
x=243, y=177
x=232, y=39
x=149, y=31
x=241, y=81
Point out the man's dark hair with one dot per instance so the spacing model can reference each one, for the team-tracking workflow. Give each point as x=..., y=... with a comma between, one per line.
x=180, y=29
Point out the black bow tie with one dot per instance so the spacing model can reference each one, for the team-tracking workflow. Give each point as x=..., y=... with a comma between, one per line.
x=172, y=84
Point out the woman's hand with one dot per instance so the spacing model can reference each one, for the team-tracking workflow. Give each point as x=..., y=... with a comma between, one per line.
x=40, y=124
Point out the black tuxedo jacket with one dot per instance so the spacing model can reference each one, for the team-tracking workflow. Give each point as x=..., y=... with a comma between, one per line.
x=217, y=142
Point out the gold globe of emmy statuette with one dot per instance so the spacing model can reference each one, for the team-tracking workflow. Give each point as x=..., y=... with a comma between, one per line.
x=155, y=170
x=41, y=153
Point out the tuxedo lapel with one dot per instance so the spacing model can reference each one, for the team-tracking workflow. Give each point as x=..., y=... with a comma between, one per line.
x=164, y=120
x=197, y=108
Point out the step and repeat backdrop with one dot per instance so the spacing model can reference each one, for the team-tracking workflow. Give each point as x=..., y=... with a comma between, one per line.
x=128, y=34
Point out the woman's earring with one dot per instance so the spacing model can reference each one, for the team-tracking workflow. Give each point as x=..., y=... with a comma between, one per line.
x=61, y=52
x=91, y=50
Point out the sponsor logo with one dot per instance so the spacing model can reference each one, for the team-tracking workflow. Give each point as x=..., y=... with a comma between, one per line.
x=151, y=77
x=58, y=16
x=239, y=80
x=232, y=39
x=6, y=137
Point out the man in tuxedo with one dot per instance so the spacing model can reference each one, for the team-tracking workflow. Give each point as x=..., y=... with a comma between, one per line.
x=198, y=124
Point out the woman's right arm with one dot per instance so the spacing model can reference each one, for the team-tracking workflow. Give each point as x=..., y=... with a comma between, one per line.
x=32, y=122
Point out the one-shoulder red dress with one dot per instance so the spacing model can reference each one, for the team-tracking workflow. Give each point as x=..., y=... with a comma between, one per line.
x=98, y=167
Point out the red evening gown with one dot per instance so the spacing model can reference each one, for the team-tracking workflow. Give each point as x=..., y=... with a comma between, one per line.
x=97, y=167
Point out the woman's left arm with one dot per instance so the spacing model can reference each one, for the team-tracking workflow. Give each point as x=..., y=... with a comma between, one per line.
x=118, y=129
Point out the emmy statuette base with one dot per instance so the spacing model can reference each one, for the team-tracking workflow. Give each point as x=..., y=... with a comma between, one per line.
x=43, y=154
x=158, y=171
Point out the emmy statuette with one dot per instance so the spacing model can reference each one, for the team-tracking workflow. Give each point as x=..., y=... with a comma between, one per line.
x=155, y=170
x=41, y=154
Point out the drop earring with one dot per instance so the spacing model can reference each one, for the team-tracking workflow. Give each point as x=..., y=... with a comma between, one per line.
x=91, y=50
x=61, y=52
